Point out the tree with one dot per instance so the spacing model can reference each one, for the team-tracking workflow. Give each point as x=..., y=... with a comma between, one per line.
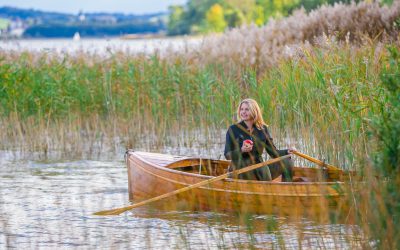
x=234, y=17
x=215, y=20
x=246, y=8
x=278, y=8
x=259, y=17
x=176, y=23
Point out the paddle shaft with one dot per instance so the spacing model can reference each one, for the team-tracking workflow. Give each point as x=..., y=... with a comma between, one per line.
x=320, y=163
x=118, y=211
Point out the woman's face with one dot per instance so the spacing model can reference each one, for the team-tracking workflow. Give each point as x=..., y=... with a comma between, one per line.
x=245, y=112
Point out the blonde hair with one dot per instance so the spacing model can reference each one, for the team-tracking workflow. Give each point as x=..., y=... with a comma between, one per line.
x=255, y=112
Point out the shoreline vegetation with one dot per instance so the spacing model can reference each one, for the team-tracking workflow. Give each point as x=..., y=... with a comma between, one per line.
x=323, y=80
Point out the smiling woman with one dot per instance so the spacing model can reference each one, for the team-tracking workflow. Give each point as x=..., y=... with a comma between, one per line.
x=246, y=141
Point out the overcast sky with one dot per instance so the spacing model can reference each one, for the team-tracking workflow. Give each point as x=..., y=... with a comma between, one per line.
x=74, y=6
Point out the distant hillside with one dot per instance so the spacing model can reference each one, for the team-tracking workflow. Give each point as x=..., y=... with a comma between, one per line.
x=30, y=14
x=35, y=23
x=92, y=30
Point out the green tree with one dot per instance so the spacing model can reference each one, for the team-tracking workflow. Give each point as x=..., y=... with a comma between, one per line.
x=215, y=20
x=259, y=18
x=234, y=17
x=175, y=25
x=195, y=14
x=278, y=8
x=246, y=8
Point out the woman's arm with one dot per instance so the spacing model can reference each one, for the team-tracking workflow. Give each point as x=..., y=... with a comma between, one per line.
x=270, y=146
x=232, y=150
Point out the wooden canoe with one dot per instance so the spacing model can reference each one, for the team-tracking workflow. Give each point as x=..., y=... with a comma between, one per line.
x=152, y=174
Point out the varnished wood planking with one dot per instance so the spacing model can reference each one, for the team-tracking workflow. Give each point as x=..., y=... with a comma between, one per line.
x=147, y=179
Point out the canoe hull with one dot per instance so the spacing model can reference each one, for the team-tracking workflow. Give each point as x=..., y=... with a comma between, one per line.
x=149, y=179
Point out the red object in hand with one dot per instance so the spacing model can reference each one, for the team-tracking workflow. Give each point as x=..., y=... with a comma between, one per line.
x=249, y=142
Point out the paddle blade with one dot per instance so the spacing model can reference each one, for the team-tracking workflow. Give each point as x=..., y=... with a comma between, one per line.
x=115, y=211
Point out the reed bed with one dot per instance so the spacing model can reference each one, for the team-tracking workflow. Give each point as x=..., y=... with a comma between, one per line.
x=320, y=90
x=48, y=104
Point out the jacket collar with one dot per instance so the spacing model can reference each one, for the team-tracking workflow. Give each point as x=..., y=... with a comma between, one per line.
x=244, y=126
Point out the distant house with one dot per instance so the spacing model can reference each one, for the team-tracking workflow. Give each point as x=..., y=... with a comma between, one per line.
x=16, y=28
x=4, y=23
x=17, y=32
x=81, y=17
x=12, y=28
x=105, y=19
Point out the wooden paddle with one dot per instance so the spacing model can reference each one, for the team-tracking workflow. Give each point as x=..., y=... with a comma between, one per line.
x=318, y=162
x=118, y=211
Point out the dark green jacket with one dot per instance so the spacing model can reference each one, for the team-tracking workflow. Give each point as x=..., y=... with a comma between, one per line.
x=236, y=134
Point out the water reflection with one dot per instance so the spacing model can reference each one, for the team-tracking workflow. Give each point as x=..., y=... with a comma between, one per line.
x=49, y=205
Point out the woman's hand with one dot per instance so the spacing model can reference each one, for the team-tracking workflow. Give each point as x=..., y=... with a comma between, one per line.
x=247, y=146
x=291, y=149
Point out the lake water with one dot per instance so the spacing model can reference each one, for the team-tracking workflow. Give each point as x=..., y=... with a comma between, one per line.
x=99, y=46
x=49, y=205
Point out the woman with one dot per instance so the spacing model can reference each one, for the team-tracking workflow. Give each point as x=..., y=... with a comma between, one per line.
x=246, y=141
